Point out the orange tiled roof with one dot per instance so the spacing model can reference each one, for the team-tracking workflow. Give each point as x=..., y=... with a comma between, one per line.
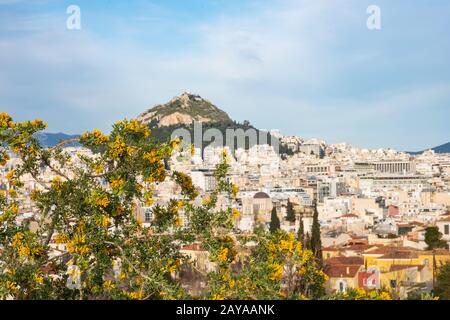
x=398, y=267
x=341, y=271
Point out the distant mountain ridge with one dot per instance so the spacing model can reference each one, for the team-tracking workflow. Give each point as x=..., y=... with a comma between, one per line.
x=444, y=148
x=48, y=140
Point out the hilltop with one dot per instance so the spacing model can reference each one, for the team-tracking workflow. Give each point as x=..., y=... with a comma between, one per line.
x=183, y=110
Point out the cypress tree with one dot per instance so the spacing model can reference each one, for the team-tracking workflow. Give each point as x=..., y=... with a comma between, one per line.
x=274, y=221
x=307, y=241
x=301, y=232
x=290, y=214
x=316, y=243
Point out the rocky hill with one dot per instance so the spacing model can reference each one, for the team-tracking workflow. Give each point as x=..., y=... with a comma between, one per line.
x=183, y=110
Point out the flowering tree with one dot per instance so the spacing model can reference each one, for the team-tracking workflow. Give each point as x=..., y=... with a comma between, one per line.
x=88, y=208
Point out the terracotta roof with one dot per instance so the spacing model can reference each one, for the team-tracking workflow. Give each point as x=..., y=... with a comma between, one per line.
x=350, y=215
x=397, y=267
x=361, y=247
x=444, y=252
x=345, y=261
x=385, y=250
x=331, y=249
x=341, y=271
x=396, y=255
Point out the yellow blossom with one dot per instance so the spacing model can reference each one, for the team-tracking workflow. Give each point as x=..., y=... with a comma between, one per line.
x=136, y=295
x=108, y=285
x=117, y=183
x=61, y=238
x=102, y=202
x=117, y=148
x=39, y=279
x=236, y=213
x=11, y=285
x=105, y=221
x=17, y=239
x=99, y=168
x=24, y=251
x=277, y=274
x=14, y=208
x=56, y=183
x=178, y=221
x=223, y=255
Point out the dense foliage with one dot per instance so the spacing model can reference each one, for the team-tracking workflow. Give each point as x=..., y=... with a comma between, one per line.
x=433, y=238
x=443, y=282
x=88, y=207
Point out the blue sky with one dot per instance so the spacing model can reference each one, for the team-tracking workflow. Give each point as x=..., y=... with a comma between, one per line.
x=305, y=67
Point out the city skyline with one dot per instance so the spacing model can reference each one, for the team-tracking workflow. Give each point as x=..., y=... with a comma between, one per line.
x=307, y=68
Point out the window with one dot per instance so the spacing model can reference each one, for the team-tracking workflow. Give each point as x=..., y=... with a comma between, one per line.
x=393, y=283
x=341, y=286
x=147, y=215
x=446, y=229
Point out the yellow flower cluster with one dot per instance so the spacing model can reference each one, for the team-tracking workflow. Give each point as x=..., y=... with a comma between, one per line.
x=175, y=143
x=236, y=213
x=178, y=221
x=24, y=250
x=98, y=168
x=117, y=184
x=171, y=266
x=96, y=137
x=109, y=285
x=151, y=156
x=6, y=121
x=105, y=221
x=102, y=201
x=61, y=238
x=17, y=239
x=277, y=272
x=12, y=286
x=14, y=208
x=3, y=158
x=136, y=295
x=234, y=190
x=135, y=127
x=117, y=148
x=39, y=279
x=223, y=255
x=78, y=242
x=56, y=183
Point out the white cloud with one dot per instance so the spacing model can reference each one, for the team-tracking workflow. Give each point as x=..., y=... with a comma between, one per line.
x=276, y=67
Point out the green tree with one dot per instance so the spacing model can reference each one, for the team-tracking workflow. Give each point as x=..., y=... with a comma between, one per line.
x=316, y=242
x=433, y=238
x=442, y=289
x=307, y=241
x=274, y=221
x=301, y=231
x=88, y=206
x=290, y=213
